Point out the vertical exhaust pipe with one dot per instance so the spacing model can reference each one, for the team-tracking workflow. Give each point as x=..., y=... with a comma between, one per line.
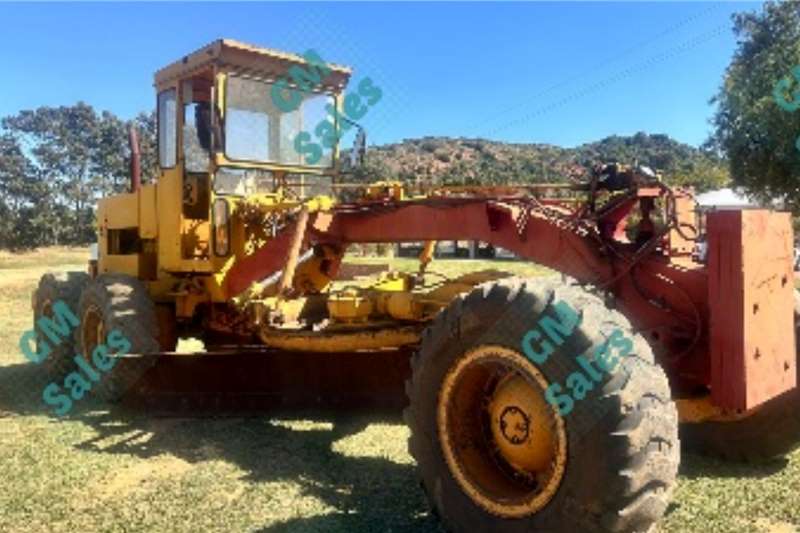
x=136, y=159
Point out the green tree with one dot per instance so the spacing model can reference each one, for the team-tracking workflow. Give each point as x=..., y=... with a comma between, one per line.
x=147, y=129
x=751, y=128
x=15, y=184
x=703, y=175
x=75, y=155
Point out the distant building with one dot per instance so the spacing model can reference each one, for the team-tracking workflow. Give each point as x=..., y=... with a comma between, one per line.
x=720, y=199
x=724, y=199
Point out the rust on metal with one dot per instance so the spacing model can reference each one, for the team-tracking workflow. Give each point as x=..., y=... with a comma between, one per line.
x=136, y=159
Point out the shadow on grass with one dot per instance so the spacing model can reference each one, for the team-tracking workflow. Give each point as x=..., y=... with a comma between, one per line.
x=364, y=493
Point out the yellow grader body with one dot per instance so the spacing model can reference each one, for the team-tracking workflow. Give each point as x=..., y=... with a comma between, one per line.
x=533, y=405
x=162, y=233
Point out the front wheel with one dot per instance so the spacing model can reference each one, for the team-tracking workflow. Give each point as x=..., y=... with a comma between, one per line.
x=54, y=288
x=116, y=302
x=495, y=453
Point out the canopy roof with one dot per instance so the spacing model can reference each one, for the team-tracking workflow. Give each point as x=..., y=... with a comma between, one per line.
x=725, y=198
x=240, y=57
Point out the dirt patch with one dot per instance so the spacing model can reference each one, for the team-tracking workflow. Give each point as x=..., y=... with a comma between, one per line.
x=127, y=480
x=768, y=526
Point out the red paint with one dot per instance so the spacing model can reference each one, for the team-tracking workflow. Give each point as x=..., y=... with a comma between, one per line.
x=674, y=306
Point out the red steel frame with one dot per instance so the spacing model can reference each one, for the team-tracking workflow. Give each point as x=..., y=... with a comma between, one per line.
x=692, y=315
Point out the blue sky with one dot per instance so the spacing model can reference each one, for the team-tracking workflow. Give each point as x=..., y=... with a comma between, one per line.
x=561, y=73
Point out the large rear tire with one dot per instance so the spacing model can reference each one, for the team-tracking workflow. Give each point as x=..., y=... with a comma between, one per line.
x=118, y=302
x=55, y=287
x=493, y=455
x=770, y=432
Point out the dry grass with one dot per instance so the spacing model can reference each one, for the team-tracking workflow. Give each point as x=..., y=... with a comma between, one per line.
x=116, y=470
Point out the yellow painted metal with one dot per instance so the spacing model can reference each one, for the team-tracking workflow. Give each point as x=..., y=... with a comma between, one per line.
x=444, y=294
x=237, y=56
x=169, y=200
x=392, y=282
x=220, y=83
x=474, y=462
x=390, y=336
x=162, y=289
x=183, y=244
x=299, y=234
x=695, y=410
x=401, y=306
x=119, y=211
x=221, y=160
x=178, y=262
x=148, y=215
x=522, y=425
x=120, y=264
x=426, y=256
x=309, y=277
x=350, y=305
x=91, y=331
x=394, y=189
x=295, y=310
x=195, y=239
x=391, y=296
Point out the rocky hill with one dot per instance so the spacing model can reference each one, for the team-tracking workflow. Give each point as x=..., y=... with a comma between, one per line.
x=460, y=160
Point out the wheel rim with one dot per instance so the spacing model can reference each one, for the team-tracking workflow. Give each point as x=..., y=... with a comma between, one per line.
x=92, y=331
x=47, y=309
x=504, y=444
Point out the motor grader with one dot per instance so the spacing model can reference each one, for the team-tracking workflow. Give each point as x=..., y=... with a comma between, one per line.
x=241, y=243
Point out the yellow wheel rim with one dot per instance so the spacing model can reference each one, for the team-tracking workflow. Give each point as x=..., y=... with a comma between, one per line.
x=92, y=331
x=504, y=444
x=47, y=309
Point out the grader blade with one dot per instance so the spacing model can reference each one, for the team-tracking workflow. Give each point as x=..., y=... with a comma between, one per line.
x=258, y=379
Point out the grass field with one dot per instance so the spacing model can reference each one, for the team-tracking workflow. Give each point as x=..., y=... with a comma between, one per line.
x=121, y=470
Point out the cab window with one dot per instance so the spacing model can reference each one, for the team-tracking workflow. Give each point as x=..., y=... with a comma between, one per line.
x=167, y=128
x=197, y=124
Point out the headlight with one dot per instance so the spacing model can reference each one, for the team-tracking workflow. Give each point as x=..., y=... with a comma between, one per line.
x=222, y=227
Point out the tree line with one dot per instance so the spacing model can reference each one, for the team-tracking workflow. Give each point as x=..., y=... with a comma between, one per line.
x=460, y=161
x=55, y=162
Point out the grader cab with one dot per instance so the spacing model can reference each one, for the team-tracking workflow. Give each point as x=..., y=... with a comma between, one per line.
x=548, y=404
